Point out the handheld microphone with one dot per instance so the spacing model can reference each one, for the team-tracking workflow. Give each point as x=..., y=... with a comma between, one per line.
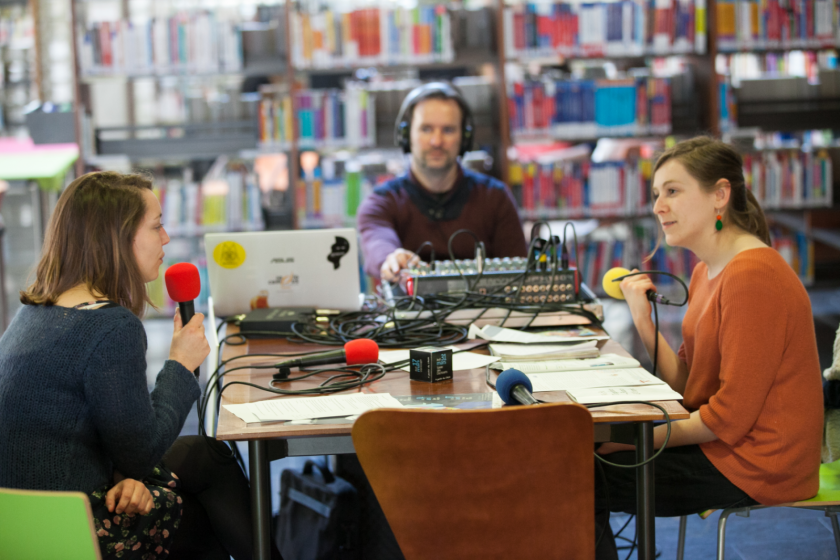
x=514, y=387
x=183, y=284
x=355, y=352
x=613, y=289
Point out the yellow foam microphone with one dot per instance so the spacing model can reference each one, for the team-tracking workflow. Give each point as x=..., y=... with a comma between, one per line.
x=613, y=289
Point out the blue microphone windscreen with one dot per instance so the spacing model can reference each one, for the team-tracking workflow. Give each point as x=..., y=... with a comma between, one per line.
x=509, y=379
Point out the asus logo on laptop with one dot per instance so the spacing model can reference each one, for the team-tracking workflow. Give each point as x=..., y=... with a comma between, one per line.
x=282, y=260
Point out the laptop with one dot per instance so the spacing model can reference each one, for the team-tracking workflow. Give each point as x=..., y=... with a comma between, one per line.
x=298, y=268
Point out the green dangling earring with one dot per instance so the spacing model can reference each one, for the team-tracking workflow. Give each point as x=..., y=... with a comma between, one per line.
x=719, y=223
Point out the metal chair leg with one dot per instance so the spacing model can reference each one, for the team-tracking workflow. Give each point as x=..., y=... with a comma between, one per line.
x=721, y=536
x=835, y=526
x=681, y=539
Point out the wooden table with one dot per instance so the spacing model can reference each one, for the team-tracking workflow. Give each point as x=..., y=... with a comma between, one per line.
x=267, y=442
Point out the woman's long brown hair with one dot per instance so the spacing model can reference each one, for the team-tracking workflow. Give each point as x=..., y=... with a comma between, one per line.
x=90, y=241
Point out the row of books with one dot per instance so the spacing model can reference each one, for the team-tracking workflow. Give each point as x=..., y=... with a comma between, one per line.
x=392, y=35
x=790, y=178
x=325, y=118
x=581, y=109
x=597, y=29
x=190, y=42
x=17, y=28
x=569, y=184
x=329, y=194
x=578, y=188
x=776, y=24
x=231, y=202
x=796, y=63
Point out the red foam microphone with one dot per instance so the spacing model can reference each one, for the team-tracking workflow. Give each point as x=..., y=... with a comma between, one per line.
x=354, y=353
x=183, y=284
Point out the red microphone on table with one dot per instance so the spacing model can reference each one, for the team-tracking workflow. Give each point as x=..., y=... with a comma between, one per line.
x=183, y=284
x=356, y=352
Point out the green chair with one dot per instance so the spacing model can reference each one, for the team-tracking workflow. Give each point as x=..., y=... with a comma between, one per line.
x=827, y=500
x=46, y=525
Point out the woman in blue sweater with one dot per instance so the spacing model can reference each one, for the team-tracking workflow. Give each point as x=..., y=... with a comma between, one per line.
x=75, y=410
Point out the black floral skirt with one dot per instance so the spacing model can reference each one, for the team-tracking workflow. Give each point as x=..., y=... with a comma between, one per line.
x=140, y=537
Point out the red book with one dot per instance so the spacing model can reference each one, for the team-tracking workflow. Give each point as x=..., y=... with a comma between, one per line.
x=528, y=186
x=105, y=44
x=518, y=29
x=537, y=102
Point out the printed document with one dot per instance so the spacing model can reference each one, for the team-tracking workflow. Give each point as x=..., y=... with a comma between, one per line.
x=570, y=380
x=305, y=408
x=616, y=394
x=606, y=361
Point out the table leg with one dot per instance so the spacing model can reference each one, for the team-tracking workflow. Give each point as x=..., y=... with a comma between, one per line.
x=645, y=505
x=260, y=498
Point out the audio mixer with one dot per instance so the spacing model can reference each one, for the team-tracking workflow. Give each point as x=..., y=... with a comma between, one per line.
x=504, y=278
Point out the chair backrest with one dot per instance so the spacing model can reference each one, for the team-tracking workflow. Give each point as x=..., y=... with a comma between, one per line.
x=511, y=483
x=46, y=525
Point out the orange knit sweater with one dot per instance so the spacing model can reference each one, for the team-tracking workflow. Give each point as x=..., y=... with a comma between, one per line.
x=754, y=374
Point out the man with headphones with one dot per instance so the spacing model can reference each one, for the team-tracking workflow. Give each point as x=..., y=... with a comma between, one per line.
x=437, y=196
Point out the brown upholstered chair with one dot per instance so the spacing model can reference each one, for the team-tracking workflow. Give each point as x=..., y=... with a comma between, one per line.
x=511, y=483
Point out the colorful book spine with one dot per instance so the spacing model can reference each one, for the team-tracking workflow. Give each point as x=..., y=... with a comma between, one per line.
x=583, y=109
x=790, y=178
x=597, y=29
x=187, y=42
x=377, y=36
x=776, y=24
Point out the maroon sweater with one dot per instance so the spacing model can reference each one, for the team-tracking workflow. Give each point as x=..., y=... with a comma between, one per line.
x=401, y=213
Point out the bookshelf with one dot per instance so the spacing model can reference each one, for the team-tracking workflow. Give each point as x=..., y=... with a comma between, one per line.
x=543, y=74
x=18, y=65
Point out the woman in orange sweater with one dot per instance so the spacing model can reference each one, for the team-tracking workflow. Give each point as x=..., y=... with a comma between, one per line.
x=748, y=367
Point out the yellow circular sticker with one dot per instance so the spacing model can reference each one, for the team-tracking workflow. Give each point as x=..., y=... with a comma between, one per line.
x=229, y=254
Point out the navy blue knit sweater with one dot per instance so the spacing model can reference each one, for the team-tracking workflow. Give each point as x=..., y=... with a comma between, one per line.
x=74, y=404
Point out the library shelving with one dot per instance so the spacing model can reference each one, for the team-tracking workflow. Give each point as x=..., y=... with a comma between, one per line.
x=18, y=71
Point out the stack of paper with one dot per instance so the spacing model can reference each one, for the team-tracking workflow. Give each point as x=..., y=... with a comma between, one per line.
x=605, y=361
x=616, y=394
x=568, y=334
x=571, y=380
x=306, y=408
x=518, y=352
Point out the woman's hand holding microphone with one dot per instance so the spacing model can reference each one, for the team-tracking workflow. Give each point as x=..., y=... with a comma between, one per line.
x=189, y=344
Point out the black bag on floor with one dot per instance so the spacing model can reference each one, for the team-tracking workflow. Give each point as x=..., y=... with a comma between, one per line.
x=319, y=515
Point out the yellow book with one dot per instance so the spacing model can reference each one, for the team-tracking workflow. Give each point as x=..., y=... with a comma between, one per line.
x=329, y=23
x=306, y=27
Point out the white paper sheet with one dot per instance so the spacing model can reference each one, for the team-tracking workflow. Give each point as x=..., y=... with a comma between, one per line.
x=501, y=334
x=615, y=394
x=606, y=361
x=570, y=380
x=460, y=361
x=303, y=408
x=529, y=352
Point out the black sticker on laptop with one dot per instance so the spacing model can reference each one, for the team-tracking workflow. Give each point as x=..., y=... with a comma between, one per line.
x=340, y=248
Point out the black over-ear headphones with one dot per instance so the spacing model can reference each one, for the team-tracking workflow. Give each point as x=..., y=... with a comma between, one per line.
x=438, y=90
